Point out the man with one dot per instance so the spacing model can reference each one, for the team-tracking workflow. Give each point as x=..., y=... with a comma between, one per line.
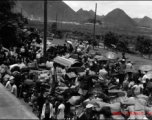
x=40, y=102
x=123, y=56
x=87, y=114
x=122, y=71
x=2, y=55
x=8, y=84
x=85, y=83
x=14, y=88
x=47, y=111
x=102, y=75
x=129, y=65
x=60, y=111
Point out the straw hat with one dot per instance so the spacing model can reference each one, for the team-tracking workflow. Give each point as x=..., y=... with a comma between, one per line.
x=89, y=106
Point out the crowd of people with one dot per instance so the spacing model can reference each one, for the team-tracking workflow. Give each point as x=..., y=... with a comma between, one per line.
x=83, y=93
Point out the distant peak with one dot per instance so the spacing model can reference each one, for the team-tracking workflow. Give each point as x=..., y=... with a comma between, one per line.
x=91, y=11
x=117, y=9
x=146, y=17
x=80, y=9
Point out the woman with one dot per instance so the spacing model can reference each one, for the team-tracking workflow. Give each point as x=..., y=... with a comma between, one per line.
x=47, y=111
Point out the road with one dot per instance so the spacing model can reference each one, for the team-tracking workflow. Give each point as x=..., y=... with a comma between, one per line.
x=12, y=108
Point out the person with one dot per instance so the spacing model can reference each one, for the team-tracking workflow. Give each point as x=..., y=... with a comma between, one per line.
x=47, y=110
x=8, y=84
x=86, y=83
x=87, y=114
x=87, y=48
x=129, y=65
x=102, y=75
x=22, y=51
x=2, y=55
x=60, y=111
x=123, y=56
x=40, y=102
x=122, y=71
x=65, y=48
x=14, y=88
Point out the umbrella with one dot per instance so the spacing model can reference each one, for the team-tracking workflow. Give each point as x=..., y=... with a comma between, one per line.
x=101, y=58
x=69, y=42
x=145, y=68
x=130, y=70
x=148, y=75
x=111, y=55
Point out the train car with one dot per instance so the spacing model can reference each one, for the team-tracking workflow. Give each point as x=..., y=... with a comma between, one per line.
x=12, y=108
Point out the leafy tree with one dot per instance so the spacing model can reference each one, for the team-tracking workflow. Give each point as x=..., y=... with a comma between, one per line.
x=95, y=43
x=54, y=27
x=144, y=44
x=122, y=45
x=110, y=38
x=10, y=23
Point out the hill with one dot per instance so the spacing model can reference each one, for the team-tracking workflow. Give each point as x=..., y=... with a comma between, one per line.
x=36, y=10
x=137, y=20
x=118, y=18
x=85, y=15
x=146, y=22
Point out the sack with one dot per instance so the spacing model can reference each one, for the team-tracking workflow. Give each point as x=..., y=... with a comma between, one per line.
x=16, y=68
x=75, y=100
x=49, y=64
x=2, y=70
x=22, y=50
x=25, y=69
x=43, y=65
x=32, y=65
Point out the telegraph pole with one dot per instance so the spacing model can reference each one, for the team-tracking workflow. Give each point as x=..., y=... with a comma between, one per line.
x=45, y=30
x=21, y=11
x=94, y=25
x=56, y=23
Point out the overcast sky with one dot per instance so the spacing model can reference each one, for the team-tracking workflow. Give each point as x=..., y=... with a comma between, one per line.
x=134, y=9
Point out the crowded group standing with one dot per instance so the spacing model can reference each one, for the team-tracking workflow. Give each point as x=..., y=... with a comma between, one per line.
x=75, y=84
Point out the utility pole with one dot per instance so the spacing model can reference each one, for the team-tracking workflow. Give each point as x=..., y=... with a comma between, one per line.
x=45, y=30
x=21, y=11
x=94, y=25
x=56, y=23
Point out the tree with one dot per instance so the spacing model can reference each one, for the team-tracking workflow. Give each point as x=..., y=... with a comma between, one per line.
x=110, y=38
x=10, y=23
x=122, y=45
x=144, y=44
x=54, y=27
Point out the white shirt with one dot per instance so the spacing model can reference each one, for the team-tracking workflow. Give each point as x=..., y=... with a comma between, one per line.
x=61, y=113
x=43, y=111
x=131, y=84
x=128, y=66
x=14, y=90
x=102, y=73
x=137, y=89
x=52, y=70
x=8, y=86
x=38, y=55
